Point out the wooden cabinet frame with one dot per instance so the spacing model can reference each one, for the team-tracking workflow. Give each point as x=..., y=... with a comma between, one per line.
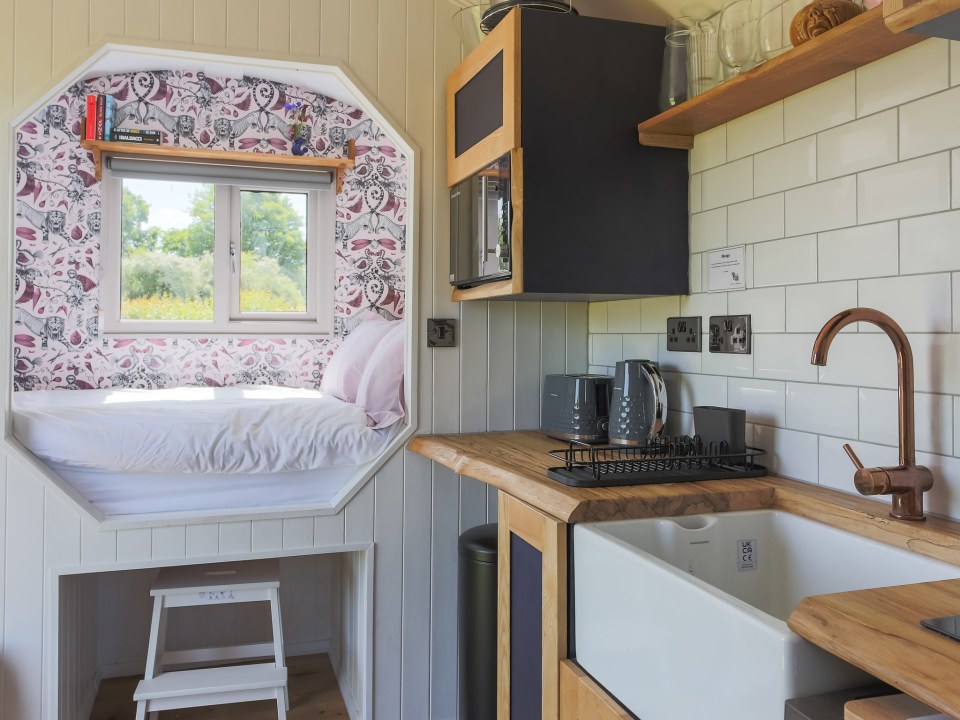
x=582, y=699
x=549, y=537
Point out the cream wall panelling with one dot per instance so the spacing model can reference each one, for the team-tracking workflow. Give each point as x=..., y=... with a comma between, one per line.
x=421, y=48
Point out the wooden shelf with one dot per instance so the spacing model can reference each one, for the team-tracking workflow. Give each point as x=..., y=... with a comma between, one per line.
x=931, y=18
x=99, y=148
x=856, y=42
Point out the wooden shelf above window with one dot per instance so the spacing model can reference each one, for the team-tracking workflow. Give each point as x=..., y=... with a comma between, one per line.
x=99, y=148
x=856, y=42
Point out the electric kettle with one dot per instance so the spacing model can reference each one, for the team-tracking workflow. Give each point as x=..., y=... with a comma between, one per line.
x=638, y=408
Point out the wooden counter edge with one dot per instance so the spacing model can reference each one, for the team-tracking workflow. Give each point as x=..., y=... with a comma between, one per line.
x=889, y=707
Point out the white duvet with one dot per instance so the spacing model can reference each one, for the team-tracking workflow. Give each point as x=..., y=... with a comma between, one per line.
x=243, y=429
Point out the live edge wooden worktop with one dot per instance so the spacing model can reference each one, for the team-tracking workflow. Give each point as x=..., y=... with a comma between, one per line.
x=877, y=630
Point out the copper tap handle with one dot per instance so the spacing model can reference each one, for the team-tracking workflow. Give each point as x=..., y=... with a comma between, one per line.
x=853, y=456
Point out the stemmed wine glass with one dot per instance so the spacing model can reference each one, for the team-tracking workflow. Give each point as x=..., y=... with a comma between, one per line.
x=737, y=36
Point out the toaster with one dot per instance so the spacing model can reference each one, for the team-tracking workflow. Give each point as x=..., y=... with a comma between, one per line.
x=576, y=407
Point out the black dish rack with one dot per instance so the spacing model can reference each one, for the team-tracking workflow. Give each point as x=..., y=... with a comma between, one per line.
x=664, y=460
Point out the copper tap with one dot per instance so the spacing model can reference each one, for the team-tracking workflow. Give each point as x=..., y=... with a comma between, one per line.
x=906, y=482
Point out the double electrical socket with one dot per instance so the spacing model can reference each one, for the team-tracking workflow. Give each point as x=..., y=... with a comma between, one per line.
x=728, y=334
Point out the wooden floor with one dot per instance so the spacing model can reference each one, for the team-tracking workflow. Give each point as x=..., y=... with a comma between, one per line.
x=312, y=687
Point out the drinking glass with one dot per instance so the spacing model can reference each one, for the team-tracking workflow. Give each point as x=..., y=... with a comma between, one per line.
x=673, y=77
x=770, y=30
x=703, y=63
x=737, y=36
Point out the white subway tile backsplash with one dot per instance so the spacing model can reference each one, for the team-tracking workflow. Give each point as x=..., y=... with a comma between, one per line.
x=695, y=273
x=954, y=62
x=755, y=220
x=783, y=357
x=765, y=306
x=942, y=498
x=789, y=453
x=824, y=206
x=858, y=252
x=955, y=173
x=708, y=230
x=704, y=305
x=821, y=107
x=678, y=362
x=764, y=400
x=623, y=316
x=785, y=262
x=912, y=73
x=956, y=425
x=728, y=184
x=822, y=409
x=641, y=347
x=727, y=364
x=606, y=349
x=702, y=390
x=810, y=306
x=654, y=312
x=857, y=146
x=936, y=358
x=933, y=413
x=930, y=243
x=859, y=359
x=694, y=201
x=913, y=187
x=597, y=317
x=919, y=303
x=784, y=167
x=956, y=304
x=836, y=470
x=709, y=149
x=930, y=125
x=757, y=131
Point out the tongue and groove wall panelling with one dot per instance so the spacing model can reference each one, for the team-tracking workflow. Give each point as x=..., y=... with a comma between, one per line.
x=142, y=19
x=177, y=22
x=210, y=19
x=242, y=34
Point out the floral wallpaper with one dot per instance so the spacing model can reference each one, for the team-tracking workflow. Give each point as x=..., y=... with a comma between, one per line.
x=58, y=232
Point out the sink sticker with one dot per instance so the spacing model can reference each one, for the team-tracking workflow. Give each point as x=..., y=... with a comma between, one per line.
x=746, y=554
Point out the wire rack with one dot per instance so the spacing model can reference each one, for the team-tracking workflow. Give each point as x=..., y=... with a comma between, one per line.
x=664, y=460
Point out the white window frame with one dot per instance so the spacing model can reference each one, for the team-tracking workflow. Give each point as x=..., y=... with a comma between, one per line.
x=228, y=320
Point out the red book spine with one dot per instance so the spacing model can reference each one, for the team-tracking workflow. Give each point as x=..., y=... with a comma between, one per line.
x=101, y=115
x=90, y=127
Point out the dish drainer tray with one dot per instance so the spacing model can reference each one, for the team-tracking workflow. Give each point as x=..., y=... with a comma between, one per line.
x=664, y=460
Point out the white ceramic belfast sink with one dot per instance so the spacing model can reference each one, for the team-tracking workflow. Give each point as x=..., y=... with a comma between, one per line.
x=685, y=618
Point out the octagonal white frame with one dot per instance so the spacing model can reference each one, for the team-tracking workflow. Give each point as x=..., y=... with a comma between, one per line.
x=328, y=77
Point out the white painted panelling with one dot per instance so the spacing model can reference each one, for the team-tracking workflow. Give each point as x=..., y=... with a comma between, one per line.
x=765, y=306
x=757, y=131
x=728, y=184
x=914, y=187
x=784, y=167
x=500, y=396
x=415, y=578
x=358, y=517
x=858, y=252
x=933, y=414
x=783, y=357
x=266, y=535
x=955, y=171
x=929, y=243
x=785, y=262
x=919, y=303
x=703, y=305
x=824, y=206
x=297, y=533
x=694, y=200
x=607, y=349
x=623, y=316
x=679, y=362
x=956, y=424
x=642, y=347
x=235, y=538
x=654, y=312
x=909, y=74
x=443, y=609
x=526, y=382
x=789, y=453
x=97, y=547
x=755, y=220
x=764, y=400
x=696, y=284
x=708, y=230
x=857, y=146
x=810, y=306
x=847, y=365
x=709, y=149
x=823, y=409
x=729, y=364
x=928, y=125
x=473, y=366
x=598, y=314
x=387, y=584
x=701, y=390
x=133, y=545
x=203, y=540
x=821, y=107
x=169, y=542
x=956, y=302
x=954, y=62
x=328, y=530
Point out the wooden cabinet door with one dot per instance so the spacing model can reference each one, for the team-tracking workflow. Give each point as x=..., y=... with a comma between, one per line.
x=531, y=613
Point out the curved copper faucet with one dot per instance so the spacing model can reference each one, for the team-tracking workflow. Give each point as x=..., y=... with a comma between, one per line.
x=907, y=482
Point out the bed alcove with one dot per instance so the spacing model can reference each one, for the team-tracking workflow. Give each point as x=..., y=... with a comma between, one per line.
x=327, y=559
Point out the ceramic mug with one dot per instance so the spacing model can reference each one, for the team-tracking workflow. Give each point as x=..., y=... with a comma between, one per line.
x=638, y=409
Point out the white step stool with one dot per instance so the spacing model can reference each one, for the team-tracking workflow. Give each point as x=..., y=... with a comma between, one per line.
x=252, y=581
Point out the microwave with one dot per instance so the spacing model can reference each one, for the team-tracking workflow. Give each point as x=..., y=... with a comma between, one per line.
x=481, y=216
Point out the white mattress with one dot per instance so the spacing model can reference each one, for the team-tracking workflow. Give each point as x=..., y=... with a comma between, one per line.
x=135, y=451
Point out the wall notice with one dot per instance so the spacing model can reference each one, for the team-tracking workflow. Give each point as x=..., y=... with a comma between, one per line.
x=726, y=269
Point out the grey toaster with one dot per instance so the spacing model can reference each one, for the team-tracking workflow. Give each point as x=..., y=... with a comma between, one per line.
x=576, y=407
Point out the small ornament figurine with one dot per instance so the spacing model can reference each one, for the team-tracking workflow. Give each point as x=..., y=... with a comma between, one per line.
x=299, y=131
x=819, y=16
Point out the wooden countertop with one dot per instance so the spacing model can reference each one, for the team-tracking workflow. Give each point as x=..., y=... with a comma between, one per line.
x=877, y=630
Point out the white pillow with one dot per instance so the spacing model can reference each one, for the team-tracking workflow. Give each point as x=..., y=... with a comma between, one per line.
x=381, y=388
x=341, y=378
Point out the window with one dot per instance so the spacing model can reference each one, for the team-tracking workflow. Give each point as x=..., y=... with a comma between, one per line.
x=202, y=248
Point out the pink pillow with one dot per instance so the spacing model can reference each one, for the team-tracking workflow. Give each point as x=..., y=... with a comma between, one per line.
x=381, y=388
x=341, y=378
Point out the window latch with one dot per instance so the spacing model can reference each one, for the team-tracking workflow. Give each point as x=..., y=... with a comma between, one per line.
x=233, y=258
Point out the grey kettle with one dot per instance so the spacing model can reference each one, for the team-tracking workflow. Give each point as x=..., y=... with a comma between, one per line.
x=638, y=408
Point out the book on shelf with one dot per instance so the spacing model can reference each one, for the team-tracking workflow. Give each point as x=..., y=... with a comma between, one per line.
x=101, y=115
x=90, y=123
x=108, y=117
x=141, y=138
